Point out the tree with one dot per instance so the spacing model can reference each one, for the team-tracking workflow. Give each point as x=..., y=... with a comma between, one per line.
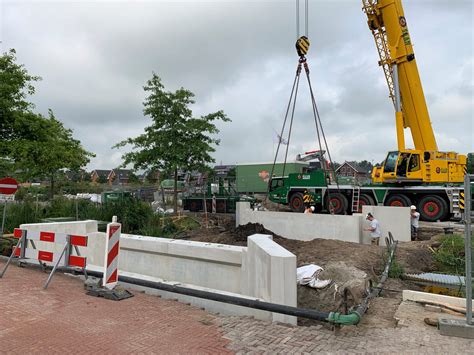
x=47, y=149
x=35, y=145
x=366, y=165
x=15, y=85
x=133, y=178
x=175, y=140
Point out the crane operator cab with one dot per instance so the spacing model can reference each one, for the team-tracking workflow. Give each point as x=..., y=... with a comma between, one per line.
x=399, y=166
x=417, y=167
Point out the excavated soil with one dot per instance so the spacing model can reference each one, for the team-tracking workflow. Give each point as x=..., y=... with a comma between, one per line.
x=347, y=264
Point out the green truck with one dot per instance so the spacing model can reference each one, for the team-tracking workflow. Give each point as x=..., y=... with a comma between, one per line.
x=253, y=178
x=434, y=202
x=221, y=192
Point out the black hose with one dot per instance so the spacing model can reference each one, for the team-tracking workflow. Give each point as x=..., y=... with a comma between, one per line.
x=239, y=301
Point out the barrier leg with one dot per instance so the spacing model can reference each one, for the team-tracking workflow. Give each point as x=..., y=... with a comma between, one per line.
x=10, y=258
x=79, y=254
x=43, y=265
x=55, y=267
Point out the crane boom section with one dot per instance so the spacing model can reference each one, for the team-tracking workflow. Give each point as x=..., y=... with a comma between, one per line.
x=388, y=24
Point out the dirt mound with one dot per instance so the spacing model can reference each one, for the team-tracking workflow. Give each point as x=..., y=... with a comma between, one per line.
x=241, y=233
x=329, y=298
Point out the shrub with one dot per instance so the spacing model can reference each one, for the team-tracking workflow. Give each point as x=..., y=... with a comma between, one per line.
x=450, y=256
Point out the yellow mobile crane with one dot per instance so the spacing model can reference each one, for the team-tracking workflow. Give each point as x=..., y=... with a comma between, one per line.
x=425, y=164
x=424, y=176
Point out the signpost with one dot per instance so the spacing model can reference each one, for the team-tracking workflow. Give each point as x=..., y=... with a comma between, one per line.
x=8, y=187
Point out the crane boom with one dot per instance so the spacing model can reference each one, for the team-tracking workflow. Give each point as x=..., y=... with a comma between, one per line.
x=388, y=25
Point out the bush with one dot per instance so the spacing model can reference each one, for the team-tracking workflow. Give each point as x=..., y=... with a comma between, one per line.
x=396, y=270
x=18, y=213
x=137, y=217
x=450, y=256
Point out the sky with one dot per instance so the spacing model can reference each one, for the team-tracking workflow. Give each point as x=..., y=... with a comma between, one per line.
x=94, y=58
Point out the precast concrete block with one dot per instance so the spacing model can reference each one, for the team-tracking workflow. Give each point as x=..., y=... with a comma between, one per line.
x=272, y=274
x=456, y=328
x=396, y=220
x=300, y=226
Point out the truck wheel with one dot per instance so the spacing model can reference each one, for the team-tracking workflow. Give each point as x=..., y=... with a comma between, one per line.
x=432, y=208
x=339, y=202
x=296, y=202
x=397, y=201
x=221, y=206
x=193, y=206
x=365, y=200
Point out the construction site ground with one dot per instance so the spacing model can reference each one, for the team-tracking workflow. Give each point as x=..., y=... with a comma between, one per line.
x=347, y=264
x=63, y=319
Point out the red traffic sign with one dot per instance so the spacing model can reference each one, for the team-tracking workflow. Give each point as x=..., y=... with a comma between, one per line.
x=8, y=186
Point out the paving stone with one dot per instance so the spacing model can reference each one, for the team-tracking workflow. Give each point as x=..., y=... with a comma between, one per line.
x=63, y=319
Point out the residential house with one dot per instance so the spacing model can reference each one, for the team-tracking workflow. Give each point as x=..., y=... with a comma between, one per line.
x=353, y=169
x=119, y=176
x=98, y=176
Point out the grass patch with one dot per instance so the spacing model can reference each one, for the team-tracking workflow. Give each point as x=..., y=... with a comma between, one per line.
x=396, y=270
x=450, y=257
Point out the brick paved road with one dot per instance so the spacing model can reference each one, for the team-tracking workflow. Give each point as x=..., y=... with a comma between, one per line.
x=63, y=319
x=248, y=335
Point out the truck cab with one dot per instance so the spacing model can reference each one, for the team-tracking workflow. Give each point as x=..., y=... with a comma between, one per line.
x=298, y=188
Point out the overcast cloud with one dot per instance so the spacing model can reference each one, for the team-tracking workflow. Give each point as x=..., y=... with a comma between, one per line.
x=238, y=56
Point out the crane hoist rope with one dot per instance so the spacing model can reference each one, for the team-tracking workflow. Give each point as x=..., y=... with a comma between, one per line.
x=302, y=47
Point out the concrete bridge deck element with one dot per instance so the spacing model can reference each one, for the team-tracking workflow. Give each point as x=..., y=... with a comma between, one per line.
x=263, y=270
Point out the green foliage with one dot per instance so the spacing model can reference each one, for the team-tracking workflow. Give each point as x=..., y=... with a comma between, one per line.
x=102, y=179
x=175, y=140
x=49, y=148
x=133, y=178
x=31, y=144
x=450, y=256
x=396, y=270
x=136, y=217
x=186, y=223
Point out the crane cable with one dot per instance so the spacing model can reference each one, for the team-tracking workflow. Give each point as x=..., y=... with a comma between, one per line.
x=302, y=46
x=306, y=17
x=293, y=95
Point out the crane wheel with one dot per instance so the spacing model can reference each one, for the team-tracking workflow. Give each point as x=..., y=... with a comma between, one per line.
x=296, y=202
x=432, y=208
x=339, y=202
x=365, y=200
x=397, y=201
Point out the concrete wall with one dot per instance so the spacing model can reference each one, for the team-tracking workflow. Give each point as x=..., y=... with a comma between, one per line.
x=271, y=273
x=305, y=227
x=302, y=226
x=207, y=265
x=264, y=270
x=393, y=219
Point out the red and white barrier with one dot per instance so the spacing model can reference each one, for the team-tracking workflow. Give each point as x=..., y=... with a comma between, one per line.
x=48, y=256
x=112, y=248
x=26, y=249
x=214, y=204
